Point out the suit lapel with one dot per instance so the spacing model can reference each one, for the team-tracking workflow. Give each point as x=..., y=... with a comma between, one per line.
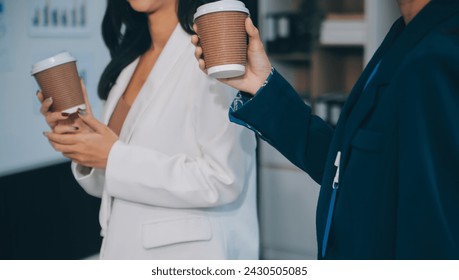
x=385, y=45
x=434, y=13
x=157, y=78
x=398, y=43
x=349, y=107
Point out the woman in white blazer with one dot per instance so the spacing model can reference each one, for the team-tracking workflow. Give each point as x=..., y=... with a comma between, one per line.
x=179, y=180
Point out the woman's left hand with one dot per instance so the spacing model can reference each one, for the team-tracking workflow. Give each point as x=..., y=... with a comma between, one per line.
x=90, y=147
x=87, y=141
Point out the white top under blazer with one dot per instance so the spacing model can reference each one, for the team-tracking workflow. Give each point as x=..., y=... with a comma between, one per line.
x=180, y=182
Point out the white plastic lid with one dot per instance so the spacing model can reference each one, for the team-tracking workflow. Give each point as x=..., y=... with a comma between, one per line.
x=221, y=6
x=58, y=59
x=226, y=71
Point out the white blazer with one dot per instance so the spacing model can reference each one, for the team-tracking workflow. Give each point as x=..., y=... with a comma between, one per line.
x=180, y=182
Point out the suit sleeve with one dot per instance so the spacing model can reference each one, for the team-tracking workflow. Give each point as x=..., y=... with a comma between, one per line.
x=280, y=117
x=90, y=179
x=428, y=134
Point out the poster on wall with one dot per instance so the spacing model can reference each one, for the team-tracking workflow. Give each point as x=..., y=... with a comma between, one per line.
x=58, y=18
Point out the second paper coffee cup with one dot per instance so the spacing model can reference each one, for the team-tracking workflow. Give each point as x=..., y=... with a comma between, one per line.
x=58, y=78
x=221, y=29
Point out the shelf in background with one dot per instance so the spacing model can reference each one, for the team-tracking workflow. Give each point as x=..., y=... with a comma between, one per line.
x=343, y=30
x=297, y=57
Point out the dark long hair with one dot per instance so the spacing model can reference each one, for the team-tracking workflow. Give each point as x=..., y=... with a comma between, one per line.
x=126, y=35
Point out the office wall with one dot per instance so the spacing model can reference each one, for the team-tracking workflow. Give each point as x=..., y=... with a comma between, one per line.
x=44, y=214
x=22, y=43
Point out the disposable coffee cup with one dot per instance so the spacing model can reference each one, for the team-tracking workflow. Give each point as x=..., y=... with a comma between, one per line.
x=58, y=78
x=221, y=29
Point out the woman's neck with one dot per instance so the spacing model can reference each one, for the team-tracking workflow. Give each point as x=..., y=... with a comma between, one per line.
x=161, y=24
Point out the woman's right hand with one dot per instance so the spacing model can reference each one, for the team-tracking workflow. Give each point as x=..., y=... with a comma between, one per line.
x=258, y=66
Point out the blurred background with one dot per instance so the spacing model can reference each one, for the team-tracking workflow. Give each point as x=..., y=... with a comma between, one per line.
x=319, y=46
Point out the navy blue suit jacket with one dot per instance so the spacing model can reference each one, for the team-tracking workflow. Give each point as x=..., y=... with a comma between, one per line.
x=399, y=138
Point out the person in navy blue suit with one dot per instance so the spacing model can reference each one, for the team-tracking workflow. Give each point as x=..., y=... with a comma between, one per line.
x=389, y=171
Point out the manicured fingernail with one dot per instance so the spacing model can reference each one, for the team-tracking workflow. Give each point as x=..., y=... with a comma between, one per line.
x=65, y=114
x=45, y=133
x=49, y=99
x=81, y=112
x=37, y=92
x=74, y=128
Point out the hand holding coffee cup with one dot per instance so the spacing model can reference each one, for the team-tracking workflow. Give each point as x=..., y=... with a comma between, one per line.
x=58, y=79
x=258, y=66
x=221, y=29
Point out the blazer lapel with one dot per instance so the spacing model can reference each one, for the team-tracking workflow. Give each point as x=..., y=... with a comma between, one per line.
x=434, y=13
x=398, y=43
x=385, y=45
x=157, y=78
x=350, y=105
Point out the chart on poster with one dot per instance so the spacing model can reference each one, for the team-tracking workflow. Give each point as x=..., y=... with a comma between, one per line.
x=58, y=18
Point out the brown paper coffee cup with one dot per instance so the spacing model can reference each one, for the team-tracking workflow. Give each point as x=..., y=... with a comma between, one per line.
x=58, y=78
x=221, y=29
